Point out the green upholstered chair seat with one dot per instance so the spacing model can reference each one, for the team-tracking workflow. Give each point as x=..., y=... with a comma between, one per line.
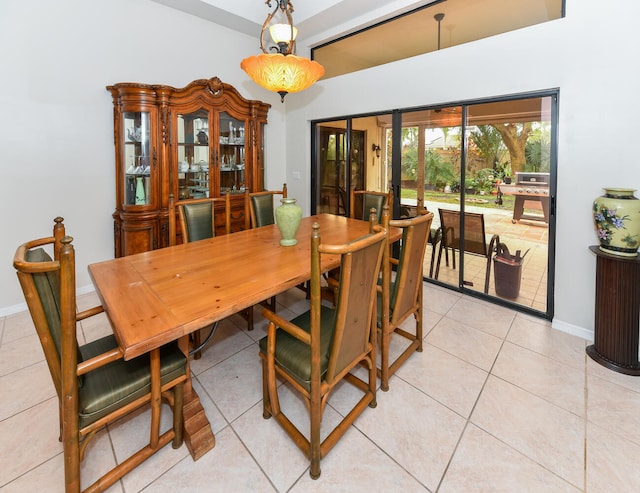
x=263, y=209
x=198, y=219
x=295, y=356
x=112, y=386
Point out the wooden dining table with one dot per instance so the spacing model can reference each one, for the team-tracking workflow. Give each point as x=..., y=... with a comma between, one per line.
x=156, y=297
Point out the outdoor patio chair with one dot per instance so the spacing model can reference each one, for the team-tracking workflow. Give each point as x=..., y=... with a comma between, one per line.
x=473, y=241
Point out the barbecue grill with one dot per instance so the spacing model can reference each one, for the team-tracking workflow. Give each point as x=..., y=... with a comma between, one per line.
x=531, y=190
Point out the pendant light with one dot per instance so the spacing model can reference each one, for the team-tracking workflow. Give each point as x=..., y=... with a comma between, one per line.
x=282, y=72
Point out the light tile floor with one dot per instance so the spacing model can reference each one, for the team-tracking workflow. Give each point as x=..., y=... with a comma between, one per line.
x=497, y=402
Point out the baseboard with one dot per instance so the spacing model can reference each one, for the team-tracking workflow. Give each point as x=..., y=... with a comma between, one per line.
x=572, y=329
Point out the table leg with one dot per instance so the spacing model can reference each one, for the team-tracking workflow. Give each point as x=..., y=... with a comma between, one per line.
x=198, y=434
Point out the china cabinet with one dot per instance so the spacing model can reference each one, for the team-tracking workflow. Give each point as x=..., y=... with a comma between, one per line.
x=203, y=140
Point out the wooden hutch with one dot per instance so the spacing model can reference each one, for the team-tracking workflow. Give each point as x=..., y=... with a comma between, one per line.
x=203, y=140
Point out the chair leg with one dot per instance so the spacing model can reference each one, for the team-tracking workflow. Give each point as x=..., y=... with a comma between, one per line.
x=433, y=258
x=195, y=338
x=249, y=315
x=178, y=415
x=385, y=339
x=488, y=275
x=315, y=412
x=418, y=316
x=266, y=404
x=439, y=259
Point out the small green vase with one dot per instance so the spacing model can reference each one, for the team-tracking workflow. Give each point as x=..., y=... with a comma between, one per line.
x=141, y=199
x=288, y=216
x=616, y=215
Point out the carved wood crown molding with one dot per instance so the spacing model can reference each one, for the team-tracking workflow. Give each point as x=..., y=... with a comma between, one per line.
x=215, y=86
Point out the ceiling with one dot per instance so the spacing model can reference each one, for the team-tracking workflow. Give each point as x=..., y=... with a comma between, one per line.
x=464, y=21
x=310, y=16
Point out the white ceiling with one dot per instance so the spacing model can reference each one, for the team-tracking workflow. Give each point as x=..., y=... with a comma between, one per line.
x=311, y=17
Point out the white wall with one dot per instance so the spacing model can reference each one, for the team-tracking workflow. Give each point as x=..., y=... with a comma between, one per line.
x=585, y=54
x=56, y=136
x=56, y=133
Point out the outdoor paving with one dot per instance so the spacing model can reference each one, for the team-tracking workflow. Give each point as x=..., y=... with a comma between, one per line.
x=525, y=235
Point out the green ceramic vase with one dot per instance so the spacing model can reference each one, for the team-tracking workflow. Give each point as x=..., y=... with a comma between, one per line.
x=140, y=195
x=616, y=215
x=288, y=216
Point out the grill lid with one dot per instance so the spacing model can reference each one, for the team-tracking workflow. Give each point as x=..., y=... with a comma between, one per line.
x=532, y=179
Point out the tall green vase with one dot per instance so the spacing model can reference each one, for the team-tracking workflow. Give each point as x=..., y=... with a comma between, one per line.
x=288, y=216
x=616, y=215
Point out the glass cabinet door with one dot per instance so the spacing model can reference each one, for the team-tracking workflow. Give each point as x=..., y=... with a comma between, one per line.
x=193, y=154
x=232, y=154
x=138, y=189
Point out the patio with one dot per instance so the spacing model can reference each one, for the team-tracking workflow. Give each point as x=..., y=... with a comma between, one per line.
x=523, y=235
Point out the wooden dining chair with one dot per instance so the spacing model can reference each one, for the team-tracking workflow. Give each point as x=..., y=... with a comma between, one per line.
x=401, y=297
x=262, y=213
x=197, y=220
x=94, y=384
x=261, y=206
x=475, y=239
x=317, y=350
x=362, y=201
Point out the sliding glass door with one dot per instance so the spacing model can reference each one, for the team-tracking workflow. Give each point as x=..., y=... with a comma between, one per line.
x=485, y=169
x=339, y=164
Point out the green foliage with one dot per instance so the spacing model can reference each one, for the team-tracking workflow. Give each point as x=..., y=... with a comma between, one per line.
x=489, y=145
x=409, y=153
x=537, y=153
x=485, y=180
x=438, y=171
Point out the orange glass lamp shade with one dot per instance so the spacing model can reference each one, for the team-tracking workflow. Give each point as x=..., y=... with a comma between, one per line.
x=282, y=73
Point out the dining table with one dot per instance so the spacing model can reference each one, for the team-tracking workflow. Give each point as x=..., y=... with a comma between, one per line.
x=156, y=297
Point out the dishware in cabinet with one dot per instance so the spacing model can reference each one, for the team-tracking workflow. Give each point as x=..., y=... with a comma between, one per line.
x=137, y=159
x=193, y=153
x=231, y=155
x=136, y=225
x=200, y=140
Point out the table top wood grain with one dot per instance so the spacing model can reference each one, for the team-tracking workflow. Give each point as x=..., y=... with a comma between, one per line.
x=156, y=297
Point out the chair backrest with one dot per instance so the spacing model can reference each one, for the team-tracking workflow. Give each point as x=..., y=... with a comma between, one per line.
x=49, y=289
x=356, y=297
x=409, y=275
x=474, y=234
x=262, y=206
x=362, y=201
x=197, y=218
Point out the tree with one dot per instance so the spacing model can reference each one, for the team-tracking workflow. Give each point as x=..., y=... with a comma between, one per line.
x=515, y=136
x=538, y=150
x=409, y=164
x=489, y=145
x=438, y=171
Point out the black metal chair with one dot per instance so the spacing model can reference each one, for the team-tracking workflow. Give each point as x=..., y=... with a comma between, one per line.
x=475, y=241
